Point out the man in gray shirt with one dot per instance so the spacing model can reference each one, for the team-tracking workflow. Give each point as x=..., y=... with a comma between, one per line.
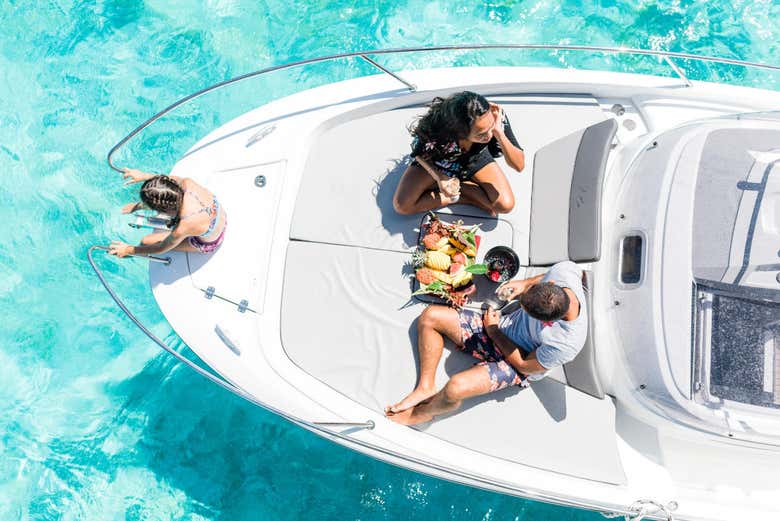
x=547, y=331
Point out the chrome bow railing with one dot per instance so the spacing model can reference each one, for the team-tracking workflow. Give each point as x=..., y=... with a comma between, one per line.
x=668, y=57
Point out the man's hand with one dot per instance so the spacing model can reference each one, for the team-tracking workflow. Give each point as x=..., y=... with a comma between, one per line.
x=490, y=320
x=513, y=289
x=120, y=249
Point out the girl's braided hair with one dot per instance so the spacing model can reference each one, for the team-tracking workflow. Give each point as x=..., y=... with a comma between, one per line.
x=163, y=194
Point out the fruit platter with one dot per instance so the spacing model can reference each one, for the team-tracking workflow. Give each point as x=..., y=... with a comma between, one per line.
x=445, y=260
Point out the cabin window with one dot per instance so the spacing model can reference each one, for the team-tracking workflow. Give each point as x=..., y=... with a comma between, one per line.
x=631, y=259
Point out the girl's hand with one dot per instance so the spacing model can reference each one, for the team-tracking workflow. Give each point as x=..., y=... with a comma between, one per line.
x=120, y=249
x=129, y=208
x=132, y=176
x=449, y=186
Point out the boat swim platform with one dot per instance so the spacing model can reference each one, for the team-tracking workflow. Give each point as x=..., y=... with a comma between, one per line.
x=348, y=261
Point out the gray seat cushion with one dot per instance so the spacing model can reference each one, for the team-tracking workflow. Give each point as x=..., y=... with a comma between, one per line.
x=581, y=372
x=568, y=179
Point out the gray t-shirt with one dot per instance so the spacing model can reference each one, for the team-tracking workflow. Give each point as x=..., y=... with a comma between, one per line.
x=558, y=342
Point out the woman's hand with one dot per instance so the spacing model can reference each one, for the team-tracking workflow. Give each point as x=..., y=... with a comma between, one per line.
x=132, y=176
x=129, y=208
x=498, y=124
x=449, y=187
x=120, y=249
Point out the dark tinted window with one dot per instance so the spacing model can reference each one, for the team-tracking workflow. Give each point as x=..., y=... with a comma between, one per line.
x=631, y=259
x=744, y=350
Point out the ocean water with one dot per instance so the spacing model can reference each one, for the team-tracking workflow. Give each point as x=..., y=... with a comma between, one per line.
x=96, y=422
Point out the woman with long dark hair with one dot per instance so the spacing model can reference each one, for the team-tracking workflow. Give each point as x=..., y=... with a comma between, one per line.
x=454, y=149
x=197, y=221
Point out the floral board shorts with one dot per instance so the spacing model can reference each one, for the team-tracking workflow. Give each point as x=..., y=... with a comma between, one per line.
x=478, y=344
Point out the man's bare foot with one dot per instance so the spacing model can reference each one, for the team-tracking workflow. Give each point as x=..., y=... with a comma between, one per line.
x=412, y=416
x=420, y=394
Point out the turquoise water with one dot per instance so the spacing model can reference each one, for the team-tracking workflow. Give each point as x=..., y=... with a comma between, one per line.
x=96, y=423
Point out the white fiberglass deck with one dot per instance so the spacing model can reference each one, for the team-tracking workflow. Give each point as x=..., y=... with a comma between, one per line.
x=347, y=316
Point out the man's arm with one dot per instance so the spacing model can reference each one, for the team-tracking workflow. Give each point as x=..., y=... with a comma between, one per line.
x=511, y=352
x=518, y=287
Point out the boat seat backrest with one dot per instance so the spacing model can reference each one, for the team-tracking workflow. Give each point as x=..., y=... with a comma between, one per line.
x=566, y=197
x=581, y=373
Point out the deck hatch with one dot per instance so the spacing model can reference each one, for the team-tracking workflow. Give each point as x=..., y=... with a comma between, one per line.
x=237, y=271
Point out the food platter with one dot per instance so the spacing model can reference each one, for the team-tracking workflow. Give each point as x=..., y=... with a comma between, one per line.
x=445, y=260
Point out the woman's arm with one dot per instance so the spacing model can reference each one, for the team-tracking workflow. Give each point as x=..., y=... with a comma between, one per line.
x=514, y=155
x=450, y=186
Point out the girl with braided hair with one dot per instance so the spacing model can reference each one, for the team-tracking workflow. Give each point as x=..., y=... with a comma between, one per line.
x=454, y=148
x=197, y=220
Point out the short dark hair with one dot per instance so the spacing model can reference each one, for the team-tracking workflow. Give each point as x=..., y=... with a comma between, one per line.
x=545, y=302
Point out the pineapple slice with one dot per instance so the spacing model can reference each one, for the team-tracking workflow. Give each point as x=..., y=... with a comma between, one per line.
x=437, y=260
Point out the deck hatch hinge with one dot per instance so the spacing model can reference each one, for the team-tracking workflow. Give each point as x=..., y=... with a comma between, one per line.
x=210, y=291
x=243, y=306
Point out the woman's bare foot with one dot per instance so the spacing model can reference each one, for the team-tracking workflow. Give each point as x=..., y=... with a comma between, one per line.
x=419, y=395
x=411, y=416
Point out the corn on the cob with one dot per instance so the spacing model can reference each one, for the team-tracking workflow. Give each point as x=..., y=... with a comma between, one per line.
x=448, y=250
x=465, y=248
x=437, y=260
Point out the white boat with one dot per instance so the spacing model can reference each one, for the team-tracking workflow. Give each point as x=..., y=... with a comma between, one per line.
x=665, y=190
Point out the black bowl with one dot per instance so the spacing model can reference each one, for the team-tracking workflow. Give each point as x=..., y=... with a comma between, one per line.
x=506, y=255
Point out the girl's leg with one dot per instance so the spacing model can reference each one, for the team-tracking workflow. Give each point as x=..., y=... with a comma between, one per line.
x=471, y=193
x=186, y=246
x=417, y=192
x=496, y=187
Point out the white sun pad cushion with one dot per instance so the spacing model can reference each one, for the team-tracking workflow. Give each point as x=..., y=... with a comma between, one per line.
x=353, y=170
x=348, y=322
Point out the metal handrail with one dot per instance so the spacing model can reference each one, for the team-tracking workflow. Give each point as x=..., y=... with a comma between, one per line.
x=666, y=55
x=153, y=258
x=323, y=427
